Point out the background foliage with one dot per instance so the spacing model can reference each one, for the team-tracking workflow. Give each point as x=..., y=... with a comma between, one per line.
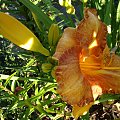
x=27, y=91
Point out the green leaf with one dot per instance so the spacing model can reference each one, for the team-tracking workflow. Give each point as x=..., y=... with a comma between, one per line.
x=107, y=18
x=28, y=112
x=8, y=79
x=118, y=12
x=108, y=97
x=85, y=117
x=46, y=88
x=40, y=15
x=37, y=21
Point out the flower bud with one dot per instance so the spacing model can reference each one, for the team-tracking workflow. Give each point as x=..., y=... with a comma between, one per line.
x=84, y=1
x=65, y=3
x=46, y=67
x=70, y=9
x=53, y=72
x=53, y=35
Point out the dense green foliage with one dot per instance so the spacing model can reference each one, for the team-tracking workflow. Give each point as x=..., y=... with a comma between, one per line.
x=26, y=91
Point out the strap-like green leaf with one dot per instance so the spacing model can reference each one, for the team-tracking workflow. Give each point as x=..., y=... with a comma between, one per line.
x=41, y=16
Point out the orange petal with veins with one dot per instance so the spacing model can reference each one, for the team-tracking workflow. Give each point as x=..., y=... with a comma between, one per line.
x=86, y=68
x=92, y=30
x=103, y=71
x=70, y=80
x=68, y=40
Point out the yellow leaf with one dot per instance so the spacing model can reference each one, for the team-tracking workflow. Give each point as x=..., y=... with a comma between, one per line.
x=19, y=34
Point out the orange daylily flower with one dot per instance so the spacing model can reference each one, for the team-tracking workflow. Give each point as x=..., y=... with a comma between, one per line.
x=86, y=66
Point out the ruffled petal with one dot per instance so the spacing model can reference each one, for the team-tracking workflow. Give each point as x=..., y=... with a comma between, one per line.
x=91, y=32
x=67, y=41
x=87, y=28
x=71, y=84
x=109, y=59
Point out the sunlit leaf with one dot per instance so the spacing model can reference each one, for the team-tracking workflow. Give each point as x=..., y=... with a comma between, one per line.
x=20, y=35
